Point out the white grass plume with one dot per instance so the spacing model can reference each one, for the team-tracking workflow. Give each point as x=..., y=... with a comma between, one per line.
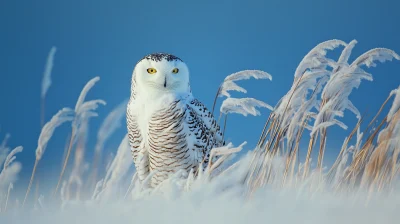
x=5, y=140
x=86, y=109
x=62, y=116
x=243, y=106
x=316, y=57
x=85, y=90
x=221, y=155
x=345, y=55
x=10, y=169
x=230, y=85
x=46, y=81
x=344, y=79
x=83, y=111
x=378, y=54
x=4, y=149
x=11, y=157
x=247, y=74
x=396, y=103
x=310, y=76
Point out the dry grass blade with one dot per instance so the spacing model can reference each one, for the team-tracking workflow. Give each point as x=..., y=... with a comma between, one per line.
x=8, y=174
x=83, y=111
x=46, y=82
x=344, y=147
x=48, y=129
x=110, y=124
x=10, y=187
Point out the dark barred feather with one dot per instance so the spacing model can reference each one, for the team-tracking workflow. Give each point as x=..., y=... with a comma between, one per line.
x=180, y=136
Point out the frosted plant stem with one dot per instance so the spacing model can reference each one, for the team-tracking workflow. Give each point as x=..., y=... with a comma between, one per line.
x=215, y=99
x=30, y=182
x=223, y=133
x=8, y=196
x=260, y=141
x=65, y=162
x=65, y=148
x=377, y=114
x=42, y=111
x=310, y=148
x=130, y=185
x=37, y=190
x=93, y=177
x=322, y=148
x=292, y=156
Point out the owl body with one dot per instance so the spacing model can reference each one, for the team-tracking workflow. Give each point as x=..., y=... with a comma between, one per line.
x=168, y=128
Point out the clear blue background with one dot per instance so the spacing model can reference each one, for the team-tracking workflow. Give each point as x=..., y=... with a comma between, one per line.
x=215, y=39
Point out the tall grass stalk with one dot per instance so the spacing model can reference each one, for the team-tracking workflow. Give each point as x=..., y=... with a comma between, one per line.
x=46, y=83
x=83, y=111
x=48, y=129
x=291, y=117
x=10, y=187
x=110, y=124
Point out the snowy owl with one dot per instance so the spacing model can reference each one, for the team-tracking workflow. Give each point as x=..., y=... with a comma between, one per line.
x=168, y=128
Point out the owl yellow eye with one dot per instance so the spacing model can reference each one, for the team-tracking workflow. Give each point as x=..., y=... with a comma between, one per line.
x=151, y=70
x=175, y=70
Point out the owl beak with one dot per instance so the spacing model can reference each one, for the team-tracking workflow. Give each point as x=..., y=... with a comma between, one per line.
x=165, y=82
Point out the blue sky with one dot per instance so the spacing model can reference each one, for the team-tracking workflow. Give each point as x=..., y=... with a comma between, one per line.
x=215, y=39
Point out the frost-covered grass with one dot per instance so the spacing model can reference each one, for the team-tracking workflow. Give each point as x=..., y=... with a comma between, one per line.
x=269, y=184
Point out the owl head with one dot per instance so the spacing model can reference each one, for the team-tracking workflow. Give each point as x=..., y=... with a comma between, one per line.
x=161, y=73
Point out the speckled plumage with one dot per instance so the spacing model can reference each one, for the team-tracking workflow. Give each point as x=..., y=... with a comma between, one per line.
x=160, y=56
x=168, y=128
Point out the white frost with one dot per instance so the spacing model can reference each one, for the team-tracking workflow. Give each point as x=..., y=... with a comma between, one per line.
x=230, y=85
x=396, y=103
x=62, y=116
x=243, y=106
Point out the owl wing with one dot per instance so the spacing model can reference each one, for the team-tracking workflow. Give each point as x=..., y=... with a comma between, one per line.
x=139, y=151
x=205, y=132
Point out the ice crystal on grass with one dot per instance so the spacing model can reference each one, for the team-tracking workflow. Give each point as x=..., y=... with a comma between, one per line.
x=62, y=116
x=243, y=106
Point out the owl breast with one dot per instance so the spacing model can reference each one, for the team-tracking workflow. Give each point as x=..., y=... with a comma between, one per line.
x=168, y=145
